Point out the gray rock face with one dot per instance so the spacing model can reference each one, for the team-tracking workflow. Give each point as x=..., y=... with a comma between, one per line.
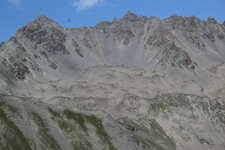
x=159, y=38
x=176, y=57
x=48, y=37
x=134, y=83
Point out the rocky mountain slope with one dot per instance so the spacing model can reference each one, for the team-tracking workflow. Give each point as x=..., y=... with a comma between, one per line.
x=133, y=83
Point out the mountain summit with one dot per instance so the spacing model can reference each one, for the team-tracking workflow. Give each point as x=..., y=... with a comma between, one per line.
x=129, y=16
x=132, y=84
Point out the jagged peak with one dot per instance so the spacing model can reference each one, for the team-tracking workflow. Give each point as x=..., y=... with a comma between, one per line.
x=45, y=21
x=212, y=20
x=194, y=19
x=181, y=18
x=132, y=17
x=41, y=22
x=191, y=23
x=174, y=17
x=130, y=14
x=190, y=20
x=128, y=17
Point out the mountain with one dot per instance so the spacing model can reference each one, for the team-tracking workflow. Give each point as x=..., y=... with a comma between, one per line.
x=134, y=83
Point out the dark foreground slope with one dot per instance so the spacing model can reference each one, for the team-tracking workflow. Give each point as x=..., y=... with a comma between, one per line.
x=171, y=121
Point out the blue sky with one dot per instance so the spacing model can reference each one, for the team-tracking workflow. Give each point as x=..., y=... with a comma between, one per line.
x=76, y=13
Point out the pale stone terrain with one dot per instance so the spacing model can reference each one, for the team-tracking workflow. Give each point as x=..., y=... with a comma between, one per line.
x=131, y=84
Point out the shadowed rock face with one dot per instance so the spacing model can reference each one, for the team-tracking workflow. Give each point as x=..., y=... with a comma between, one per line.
x=176, y=57
x=47, y=36
x=134, y=83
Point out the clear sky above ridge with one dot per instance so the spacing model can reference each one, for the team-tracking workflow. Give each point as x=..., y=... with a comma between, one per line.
x=77, y=13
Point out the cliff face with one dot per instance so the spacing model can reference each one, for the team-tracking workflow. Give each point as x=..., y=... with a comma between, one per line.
x=133, y=83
